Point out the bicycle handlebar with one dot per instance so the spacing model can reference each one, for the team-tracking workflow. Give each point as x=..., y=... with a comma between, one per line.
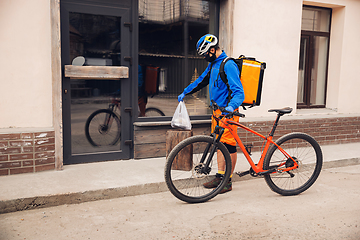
x=222, y=109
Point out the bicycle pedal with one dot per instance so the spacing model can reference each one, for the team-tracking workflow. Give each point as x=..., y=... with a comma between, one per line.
x=241, y=174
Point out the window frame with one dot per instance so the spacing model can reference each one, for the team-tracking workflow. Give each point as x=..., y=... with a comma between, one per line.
x=309, y=63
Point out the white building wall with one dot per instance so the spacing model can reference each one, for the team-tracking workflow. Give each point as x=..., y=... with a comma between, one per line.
x=25, y=64
x=271, y=30
x=349, y=82
x=267, y=30
x=343, y=81
x=335, y=62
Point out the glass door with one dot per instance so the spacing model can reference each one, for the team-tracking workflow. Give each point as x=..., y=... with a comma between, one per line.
x=96, y=125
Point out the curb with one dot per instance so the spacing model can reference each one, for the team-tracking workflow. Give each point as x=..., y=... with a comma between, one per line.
x=22, y=204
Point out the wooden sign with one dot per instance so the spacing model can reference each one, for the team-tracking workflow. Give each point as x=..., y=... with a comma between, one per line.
x=96, y=72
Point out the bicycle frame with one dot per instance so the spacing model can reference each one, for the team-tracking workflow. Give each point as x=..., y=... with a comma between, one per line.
x=258, y=168
x=115, y=103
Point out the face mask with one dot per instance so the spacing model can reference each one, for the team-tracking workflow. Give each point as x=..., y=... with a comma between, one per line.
x=210, y=59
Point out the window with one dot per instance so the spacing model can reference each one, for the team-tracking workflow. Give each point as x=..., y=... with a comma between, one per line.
x=168, y=32
x=313, y=62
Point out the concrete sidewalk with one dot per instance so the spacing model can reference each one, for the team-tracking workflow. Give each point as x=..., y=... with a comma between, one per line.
x=113, y=179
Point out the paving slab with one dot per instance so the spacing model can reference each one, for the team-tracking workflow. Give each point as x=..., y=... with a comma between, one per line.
x=112, y=179
x=251, y=211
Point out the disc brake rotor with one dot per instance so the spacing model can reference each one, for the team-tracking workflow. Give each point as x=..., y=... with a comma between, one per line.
x=197, y=171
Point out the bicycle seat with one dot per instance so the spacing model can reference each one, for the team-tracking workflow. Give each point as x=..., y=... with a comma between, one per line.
x=282, y=111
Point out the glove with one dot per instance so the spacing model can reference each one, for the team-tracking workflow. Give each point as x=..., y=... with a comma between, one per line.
x=228, y=108
x=181, y=97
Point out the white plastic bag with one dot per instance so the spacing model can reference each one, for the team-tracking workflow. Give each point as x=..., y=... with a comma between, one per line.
x=181, y=117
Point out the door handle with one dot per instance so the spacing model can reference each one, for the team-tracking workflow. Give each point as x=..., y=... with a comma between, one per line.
x=129, y=59
x=130, y=143
x=129, y=110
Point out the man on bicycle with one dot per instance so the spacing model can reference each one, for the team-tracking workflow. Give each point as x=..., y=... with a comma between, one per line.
x=208, y=47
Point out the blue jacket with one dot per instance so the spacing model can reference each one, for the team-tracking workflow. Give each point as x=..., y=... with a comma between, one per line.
x=217, y=88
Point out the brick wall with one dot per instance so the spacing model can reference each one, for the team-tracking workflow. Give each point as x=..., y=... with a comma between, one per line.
x=27, y=152
x=326, y=131
x=151, y=141
x=33, y=152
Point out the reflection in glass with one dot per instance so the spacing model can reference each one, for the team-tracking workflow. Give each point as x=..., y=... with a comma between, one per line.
x=301, y=74
x=168, y=32
x=316, y=19
x=318, y=62
x=97, y=39
x=318, y=71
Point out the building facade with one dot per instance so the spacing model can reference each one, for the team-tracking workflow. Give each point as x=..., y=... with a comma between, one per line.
x=310, y=48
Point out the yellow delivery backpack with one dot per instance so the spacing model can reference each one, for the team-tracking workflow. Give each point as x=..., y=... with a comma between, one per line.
x=251, y=77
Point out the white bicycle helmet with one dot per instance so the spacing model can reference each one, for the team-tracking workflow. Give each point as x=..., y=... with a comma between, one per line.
x=205, y=43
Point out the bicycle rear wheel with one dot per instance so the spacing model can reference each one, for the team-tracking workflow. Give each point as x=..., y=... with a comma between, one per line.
x=185, y=170
x=306, y=152
x=102, y=128
x=153, y=112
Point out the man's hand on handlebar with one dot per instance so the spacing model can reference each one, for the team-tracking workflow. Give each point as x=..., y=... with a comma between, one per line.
x=228, y=109
x=228, y=112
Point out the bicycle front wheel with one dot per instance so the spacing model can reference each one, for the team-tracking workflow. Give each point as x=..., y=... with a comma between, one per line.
x=190, y=164
x=306, y=152
x=102, y=128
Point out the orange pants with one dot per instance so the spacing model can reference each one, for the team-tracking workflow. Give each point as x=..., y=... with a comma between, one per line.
x=226, y=137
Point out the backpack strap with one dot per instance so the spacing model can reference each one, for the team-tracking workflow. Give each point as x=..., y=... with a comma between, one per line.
x=224, y=77
x=222, y=71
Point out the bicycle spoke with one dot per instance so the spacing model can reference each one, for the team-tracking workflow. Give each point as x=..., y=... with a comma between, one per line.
x=307, y=154
x=103, y=128
x=187, y=182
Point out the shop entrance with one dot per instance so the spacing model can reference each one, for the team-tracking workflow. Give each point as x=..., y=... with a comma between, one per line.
x=94, y=35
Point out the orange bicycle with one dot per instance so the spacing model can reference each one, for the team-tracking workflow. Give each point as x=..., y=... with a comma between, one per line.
x=290, y=165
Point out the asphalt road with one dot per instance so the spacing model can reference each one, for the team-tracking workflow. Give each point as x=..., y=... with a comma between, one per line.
x=328, y=210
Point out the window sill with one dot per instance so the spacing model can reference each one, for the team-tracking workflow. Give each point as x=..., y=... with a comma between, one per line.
x=312, y=111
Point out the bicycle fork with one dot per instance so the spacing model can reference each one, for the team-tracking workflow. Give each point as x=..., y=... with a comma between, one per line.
x=216, y=139
x=108, y=118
